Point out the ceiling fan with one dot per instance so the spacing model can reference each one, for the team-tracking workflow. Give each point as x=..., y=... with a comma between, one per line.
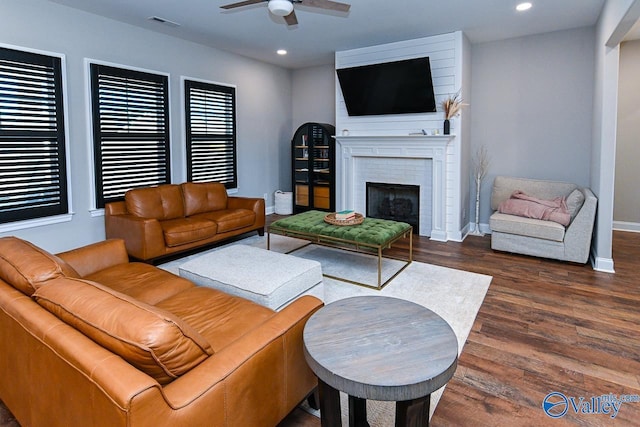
x=284, y=8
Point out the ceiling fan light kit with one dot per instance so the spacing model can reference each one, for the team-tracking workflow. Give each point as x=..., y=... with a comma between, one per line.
x=284, y=8
x=280, y=7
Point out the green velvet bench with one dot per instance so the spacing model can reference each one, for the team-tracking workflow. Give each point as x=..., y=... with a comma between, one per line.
x=371, y=236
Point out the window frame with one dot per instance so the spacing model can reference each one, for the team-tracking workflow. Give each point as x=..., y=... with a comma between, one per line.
x=189, y=83
x=65, y=213
x=95, y=142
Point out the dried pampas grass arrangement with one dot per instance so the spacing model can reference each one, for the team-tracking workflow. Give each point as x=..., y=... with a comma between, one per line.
x=452, y=106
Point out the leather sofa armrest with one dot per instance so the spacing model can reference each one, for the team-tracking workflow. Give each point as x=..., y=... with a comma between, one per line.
x=143, y=237
x=97, y=256
x=282, y=332
x=255, y=204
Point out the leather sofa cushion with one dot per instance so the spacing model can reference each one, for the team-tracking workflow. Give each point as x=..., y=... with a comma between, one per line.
x=230, y=219
x=161, y=202
x=25, y=266
x=221, y=318
x=203, y=197
x=151, y=339
x=141, y=281
x=186, y=230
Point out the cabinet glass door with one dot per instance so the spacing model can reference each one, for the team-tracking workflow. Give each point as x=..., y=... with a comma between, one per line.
x=301, y=152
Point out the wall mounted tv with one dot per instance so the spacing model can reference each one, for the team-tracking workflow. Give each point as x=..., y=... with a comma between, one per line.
x=397, y=87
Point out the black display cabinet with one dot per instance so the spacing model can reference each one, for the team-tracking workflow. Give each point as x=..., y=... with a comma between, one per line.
x=313, y=164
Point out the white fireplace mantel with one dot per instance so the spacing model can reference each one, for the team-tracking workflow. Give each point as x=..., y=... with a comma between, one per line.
x=434, y=147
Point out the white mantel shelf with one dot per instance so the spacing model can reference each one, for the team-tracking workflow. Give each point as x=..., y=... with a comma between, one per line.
x=384, y=138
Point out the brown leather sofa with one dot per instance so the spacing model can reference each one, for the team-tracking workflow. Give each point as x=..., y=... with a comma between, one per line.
x=88, y=338
x=158, y=221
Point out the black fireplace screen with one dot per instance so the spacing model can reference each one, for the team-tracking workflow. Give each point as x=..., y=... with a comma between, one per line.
x=397, y=202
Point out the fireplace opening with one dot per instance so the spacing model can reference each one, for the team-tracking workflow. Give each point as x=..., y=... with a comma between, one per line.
x=397, y=202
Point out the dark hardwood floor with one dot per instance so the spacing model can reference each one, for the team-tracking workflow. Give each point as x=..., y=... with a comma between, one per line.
x=545, y=326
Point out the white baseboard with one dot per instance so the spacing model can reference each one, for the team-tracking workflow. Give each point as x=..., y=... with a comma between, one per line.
x=268, y=210
x=439, y=236
x=604, y=265
x=484, y=228
x=626, y=226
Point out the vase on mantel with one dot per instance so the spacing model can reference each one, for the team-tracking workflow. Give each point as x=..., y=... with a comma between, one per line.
x=447, y=127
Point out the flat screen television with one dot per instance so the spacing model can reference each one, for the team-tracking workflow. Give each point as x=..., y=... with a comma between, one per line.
x=397, y=87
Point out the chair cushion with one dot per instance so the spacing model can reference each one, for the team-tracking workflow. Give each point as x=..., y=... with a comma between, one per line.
x=162, y=202
x=186, y=230
x=503, y=188
x=522, y=226
x=203, y=197
x=151, y=339
x=25, y=266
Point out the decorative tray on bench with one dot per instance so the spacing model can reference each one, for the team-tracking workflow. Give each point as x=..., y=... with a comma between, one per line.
x=331, y=219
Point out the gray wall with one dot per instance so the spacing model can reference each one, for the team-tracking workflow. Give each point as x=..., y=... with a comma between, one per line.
x=627, y=192
x=313, y=100
x=314, y=95
x=530, y=105
x=532, y=108
x=264, y=96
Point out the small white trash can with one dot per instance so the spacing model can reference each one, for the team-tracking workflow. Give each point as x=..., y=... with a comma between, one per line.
x=284, y=202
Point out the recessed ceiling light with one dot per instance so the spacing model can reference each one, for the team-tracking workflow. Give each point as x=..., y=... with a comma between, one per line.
x=281, y=52
x=523, y=6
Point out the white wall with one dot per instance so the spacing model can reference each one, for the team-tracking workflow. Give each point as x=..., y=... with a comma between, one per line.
x=626, y=210
x=604, y=128
x=445, y=57
x=532, y=108
x=264, y=96
x=449, y=57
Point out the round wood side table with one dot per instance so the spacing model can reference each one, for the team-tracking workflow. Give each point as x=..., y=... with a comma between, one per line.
x=379, y=348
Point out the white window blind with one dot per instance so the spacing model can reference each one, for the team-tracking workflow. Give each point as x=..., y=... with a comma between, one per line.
x=211, y=133
x=33, y=181
x=130, y=130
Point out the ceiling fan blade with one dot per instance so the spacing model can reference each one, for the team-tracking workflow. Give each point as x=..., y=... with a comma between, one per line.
x=291, y=18
x=240, y=4
x=327, y=4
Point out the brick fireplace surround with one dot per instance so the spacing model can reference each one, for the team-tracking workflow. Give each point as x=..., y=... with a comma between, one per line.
x=410, y=160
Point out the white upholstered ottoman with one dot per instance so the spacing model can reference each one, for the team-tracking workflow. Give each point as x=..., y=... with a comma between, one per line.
x=268, y=278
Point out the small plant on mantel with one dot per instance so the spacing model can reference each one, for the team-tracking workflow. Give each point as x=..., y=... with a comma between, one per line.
x=452, y=106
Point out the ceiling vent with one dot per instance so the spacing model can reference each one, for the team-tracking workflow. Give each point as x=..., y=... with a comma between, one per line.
x=163, y=21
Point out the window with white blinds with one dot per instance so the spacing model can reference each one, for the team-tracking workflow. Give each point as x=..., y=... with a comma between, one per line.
x=130, y=130
x=33, y=182
x=211, y=133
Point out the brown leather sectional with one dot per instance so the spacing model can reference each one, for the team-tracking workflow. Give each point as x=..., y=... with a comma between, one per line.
x=89, y=338
x=158, y=221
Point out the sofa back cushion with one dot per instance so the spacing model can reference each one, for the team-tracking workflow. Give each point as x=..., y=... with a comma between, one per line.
x=161, y=202
x=25, y=266
x=504, y=186
x=153, y=340
x=203, y=197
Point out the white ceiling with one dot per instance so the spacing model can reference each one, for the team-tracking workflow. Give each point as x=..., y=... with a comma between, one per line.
x=252, y=31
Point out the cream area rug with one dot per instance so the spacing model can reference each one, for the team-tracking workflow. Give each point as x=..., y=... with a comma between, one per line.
x=455, y=295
